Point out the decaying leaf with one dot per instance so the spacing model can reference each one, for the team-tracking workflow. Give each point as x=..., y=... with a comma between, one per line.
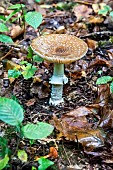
x=75, y=126
x=92, y=44
x=82, y=11
x=103, y=94
x=107, y=119
x=31, y=102
x=16, y=31
x=96, y=20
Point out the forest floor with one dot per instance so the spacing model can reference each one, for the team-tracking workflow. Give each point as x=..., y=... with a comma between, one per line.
x=83, y=124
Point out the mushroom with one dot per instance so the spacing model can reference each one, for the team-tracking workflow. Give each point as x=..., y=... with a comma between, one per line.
x=59, y=49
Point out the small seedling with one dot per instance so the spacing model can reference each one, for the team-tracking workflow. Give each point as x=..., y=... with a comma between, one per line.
x=32, y=18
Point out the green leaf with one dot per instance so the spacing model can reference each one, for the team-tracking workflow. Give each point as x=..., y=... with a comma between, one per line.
x=5, y=39
x=22, y=155
x=105, y=10
x=36, y=58
x=16, y=6
x=23, y=62
x=30, y=52
x=111, y=87
x=111, y=14
x=3, y=28
x=29, y=71
x=33, y=18
x=2, y=18
x=4, y=147
x=44, y=163
x=37, y=131
x=34, y=168
x=11, y=14
x=37, y=0
x=10, y=111
x=4, y=162
x=104, y=80
x=14, y=73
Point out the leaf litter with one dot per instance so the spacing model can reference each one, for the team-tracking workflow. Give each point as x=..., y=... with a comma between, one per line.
x=85, y=121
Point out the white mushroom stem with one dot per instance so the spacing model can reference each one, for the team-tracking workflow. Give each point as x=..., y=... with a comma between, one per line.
x=57, y=81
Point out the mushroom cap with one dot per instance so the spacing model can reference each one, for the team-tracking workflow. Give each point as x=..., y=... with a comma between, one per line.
x=59, y=48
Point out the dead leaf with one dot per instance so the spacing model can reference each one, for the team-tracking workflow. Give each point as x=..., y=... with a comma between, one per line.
x=82, y=11
x=96, y=20
x=91, y=138
x=53, y=152
x=9, y=65
x=106, y=120
x=103, y=94
x=31, y=102
x=100, y=61
x=92, y=44
x=16, y=31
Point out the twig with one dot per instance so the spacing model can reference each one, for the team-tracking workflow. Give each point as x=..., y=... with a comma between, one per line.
x=97, y=34
x=10, y=50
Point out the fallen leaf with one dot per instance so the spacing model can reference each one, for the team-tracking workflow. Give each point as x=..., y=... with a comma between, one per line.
x=103, y=94
x=53, y=152
x=31, y=102
x=96, y=20
x=16, y=31
x=92, y=44
x=106, y=120
x=82, y=11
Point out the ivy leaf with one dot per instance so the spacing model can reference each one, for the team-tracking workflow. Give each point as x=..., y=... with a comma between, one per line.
x=33, y=18
x=44, y=163
x=5, y=39
x=29, y=71
x=10, y=111
x=104, y=80
x=14, y=73
x=37, y=131
x=22, y=155
x=3, y=28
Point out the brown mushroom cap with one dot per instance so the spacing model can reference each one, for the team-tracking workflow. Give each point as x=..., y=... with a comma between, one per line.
x=59, y=48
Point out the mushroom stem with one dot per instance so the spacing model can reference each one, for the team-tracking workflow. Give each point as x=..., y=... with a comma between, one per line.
x=57, y=81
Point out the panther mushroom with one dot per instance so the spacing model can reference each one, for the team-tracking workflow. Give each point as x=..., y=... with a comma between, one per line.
x=59, y=49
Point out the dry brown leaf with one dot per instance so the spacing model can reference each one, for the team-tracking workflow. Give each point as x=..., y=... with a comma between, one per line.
x=96, y=20
x=100, y=61
x=9, y=65
x=82, y=11
x=53, y=152
x=91, y=138
x=103, y=94
x=92, y=44
x=31, y=102
x=106, y=120
x=16, y=31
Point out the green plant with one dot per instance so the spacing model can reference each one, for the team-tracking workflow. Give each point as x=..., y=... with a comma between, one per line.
x=12, y=113
x=105, y=80
x=106, y=10
x=33, y=18
x=27, y=70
